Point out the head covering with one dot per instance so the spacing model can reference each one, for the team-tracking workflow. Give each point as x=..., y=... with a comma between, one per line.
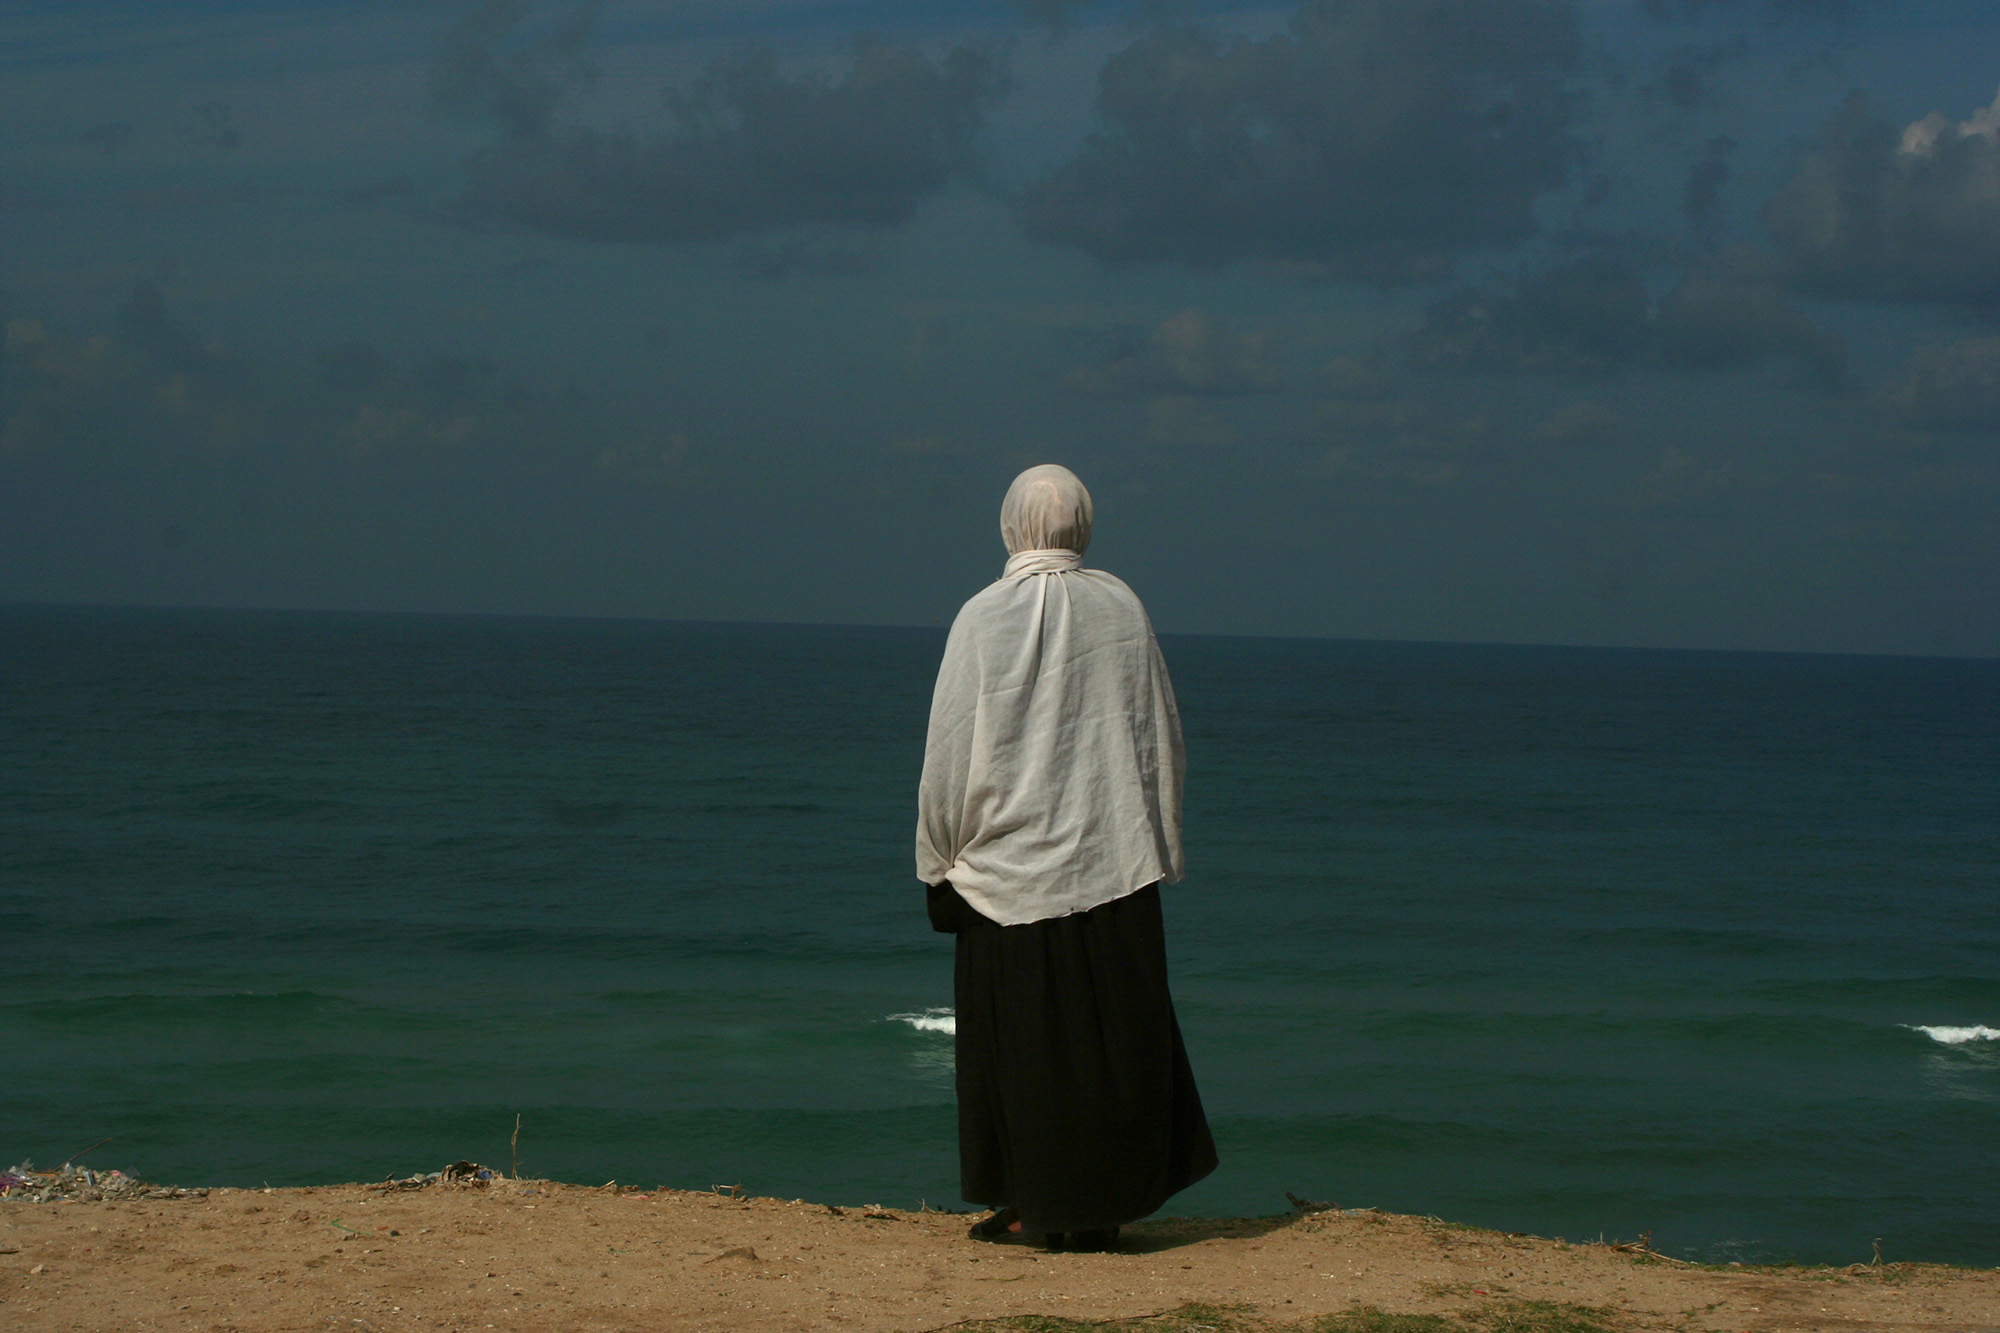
x=1045, y=521
x=1053, y=764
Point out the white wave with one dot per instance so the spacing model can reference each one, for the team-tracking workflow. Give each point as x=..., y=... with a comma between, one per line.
x=1952, y=1036
x=941, y=1020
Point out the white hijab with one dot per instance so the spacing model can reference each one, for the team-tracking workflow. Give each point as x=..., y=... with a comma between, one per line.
x=1053, y=767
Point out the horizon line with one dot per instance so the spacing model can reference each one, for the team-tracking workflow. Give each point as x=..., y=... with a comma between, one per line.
x=12, y=605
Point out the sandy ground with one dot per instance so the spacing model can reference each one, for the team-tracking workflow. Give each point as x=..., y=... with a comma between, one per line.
x=528, y=1255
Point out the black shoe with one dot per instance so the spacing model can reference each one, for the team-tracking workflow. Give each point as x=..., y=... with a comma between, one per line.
x=1096, y=1241
x=1000, y=1226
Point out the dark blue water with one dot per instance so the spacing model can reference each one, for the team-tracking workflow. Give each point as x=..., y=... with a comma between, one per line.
x=1559, y=940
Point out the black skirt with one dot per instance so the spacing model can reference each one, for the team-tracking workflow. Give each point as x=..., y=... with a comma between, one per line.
x=1076, y=1103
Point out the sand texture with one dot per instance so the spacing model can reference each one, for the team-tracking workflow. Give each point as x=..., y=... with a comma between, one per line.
x=529, y=1255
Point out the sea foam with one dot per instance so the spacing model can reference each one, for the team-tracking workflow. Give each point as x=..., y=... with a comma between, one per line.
x=943, y=1020
x=1952, y=1036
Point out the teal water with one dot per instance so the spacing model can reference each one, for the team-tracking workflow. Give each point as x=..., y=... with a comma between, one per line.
x=1558, y=940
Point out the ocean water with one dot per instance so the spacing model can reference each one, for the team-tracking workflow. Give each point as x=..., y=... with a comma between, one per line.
x=1568, y=941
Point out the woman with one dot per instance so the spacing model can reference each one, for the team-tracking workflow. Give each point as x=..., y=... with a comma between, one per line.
x=1048, y=816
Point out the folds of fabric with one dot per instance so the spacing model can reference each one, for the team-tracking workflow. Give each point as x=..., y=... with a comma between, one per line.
x=1053, y=762
x=1076, y=1103
x=1047, y=508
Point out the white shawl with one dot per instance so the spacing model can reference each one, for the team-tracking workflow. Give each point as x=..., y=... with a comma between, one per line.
x=1053, y=767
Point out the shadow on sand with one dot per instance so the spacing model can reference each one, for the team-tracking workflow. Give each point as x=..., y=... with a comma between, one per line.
x=1171, y=1233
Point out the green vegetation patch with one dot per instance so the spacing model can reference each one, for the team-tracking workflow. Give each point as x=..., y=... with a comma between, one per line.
x=1541, y=1317
x=1369, y=1319
x=1492, y=1317
x=1193, y=1317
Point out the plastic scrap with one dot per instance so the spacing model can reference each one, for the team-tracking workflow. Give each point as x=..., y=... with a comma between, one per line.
x=82, y=1184
x=464, y=1174
x=22, y=1183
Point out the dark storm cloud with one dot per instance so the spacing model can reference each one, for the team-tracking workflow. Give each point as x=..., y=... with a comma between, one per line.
x=1354, y=379
x=156, y=401
x=1400, y=442
x=396, y=187
x=1682, y=481
x=1428, y=439
x=1688, y=9
x=1895, y=213
x=482, y=67
x=1720, y=324
x=750, y=148
x=1594, y=317
x=806, y=256
x=1687, y=77
x=214, y=124
x=1051, y=14
x=753, y=150
x=1955, y=387
x=1705, y=180
x=109, y=139
x=1189, y=354
x=1370, y=139
x=181, y=195
x=355, y=375
x=1585, y=318
x=148, y=401
x=145, y=327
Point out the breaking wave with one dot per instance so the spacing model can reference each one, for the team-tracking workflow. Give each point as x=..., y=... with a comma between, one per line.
x=1956, y=1036
x=943, y=1020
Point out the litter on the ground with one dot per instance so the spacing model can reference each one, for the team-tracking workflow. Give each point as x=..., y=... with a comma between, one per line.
x=72, y=1183
x=470, y=1174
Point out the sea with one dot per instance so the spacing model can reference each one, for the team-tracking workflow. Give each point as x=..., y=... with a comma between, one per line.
x=1699, y=946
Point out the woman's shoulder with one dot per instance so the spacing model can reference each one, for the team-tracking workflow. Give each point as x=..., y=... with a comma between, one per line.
x=994, y=596
x=1108, y=596
x=1110, y=584
x=1088, y=585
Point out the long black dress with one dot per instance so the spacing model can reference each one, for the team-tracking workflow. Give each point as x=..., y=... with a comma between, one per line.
x=1076, y=1103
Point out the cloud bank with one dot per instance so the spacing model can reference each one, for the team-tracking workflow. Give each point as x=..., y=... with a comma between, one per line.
x=1188, y=353
x=1954, y=387
x=1370, y=139
x=750, y=150
x=1888, y=213
x=1593, y=317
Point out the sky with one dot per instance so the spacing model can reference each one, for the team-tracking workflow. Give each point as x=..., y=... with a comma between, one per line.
x=1653, y=323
